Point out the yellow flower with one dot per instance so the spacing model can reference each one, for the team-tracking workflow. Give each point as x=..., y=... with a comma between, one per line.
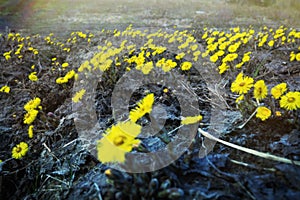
x=278, y=90
x=143, y=107
x=271, y=43
x=85, y=66
x=168, y=65
x=186, y=66
x=5, y=89
x=191, y=120
x=64, y=65
x=239, y=65
x=161, y=62
x=230, y=57
x=20, y=150
x=194, y=47
x=61, y=80
x=78, y=96
x=32, y=76
x=242, y=84
x=290, y=101
x=260, y=90
x=196, y=53
x=292, y=56
x=30, y=131
x=106, y=65
x=239, y=99
x=263, y=113
x=70, y=74
x=147, y=67
x=7, y=55
x=223, y=67
x=278, y=114
x=30, y=116
x=118, y=140
x=214, y=58
x=220, y=53
x=246, y=57
x=232, y=48
x=180, y=56
x=32, y=104
x=298, y=56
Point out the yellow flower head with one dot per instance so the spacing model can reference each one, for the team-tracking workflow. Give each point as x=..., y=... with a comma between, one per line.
x=118, y=140
x=278, y=90
x=32, y=76
x=70, y=74
x=232, y=48
x=239, y=99
x=78, y=96
x=143, y=107
x=61, y=80
x=30, y=116
x=246, y=57
x=278, y=114
x=186, y=66
x=260, y=90
x=290, y=101
x=30, y=131
x=191, y=120
x=5, y=89
x=180, y=56
x=263, y=113
x=242, y=84
x=146, y=69
x=168, y=65
x=271, y=43
x=32, y=104
x=230, y=57
x=64, y=65
x=20, y=150
x=298, y=56
x=214, y=58
x=223, y=67
x=292, y=56
x=161, y=62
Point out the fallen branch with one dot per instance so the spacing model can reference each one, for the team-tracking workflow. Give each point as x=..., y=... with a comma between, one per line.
x=250, y=151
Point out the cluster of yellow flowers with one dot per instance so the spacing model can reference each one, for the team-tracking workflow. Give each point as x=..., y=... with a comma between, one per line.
x=222, y=47
x=31, y=108
x=120, y=138
x=295, y=56
x=242, y=85
x=64, y=79
x=23, y=44
x=275, y=38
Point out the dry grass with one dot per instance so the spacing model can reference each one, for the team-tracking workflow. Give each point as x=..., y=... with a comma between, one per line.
x=59, y=16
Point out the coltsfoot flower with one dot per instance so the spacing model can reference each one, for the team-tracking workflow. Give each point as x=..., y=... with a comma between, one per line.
x=20, y=150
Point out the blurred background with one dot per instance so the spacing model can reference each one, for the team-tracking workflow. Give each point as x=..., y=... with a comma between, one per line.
x=61, y=15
